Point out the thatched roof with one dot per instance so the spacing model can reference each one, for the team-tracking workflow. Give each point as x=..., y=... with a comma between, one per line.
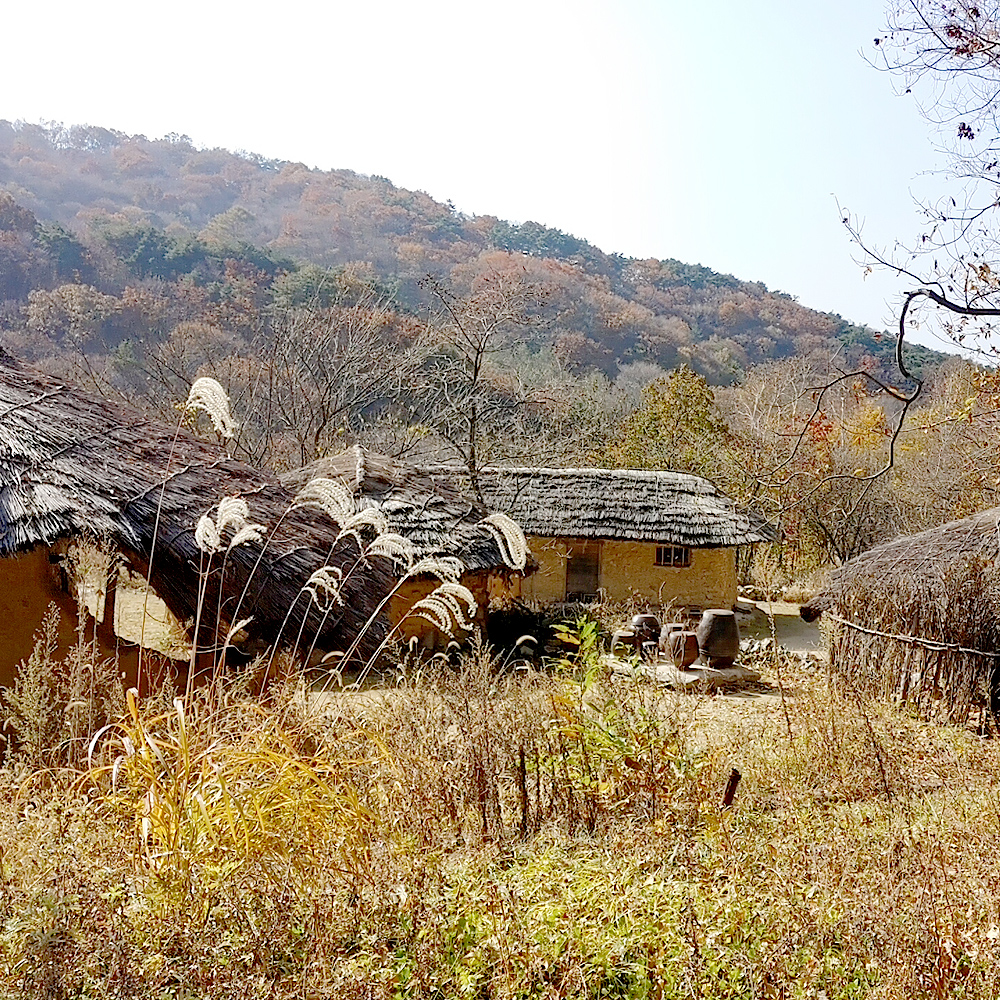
x=925, y=562
x=918, y=619
x=620, y=504
x=72, y=464
x=425, y=508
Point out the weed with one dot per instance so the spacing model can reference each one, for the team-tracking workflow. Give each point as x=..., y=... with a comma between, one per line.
x=469, y=832
x=56, y=702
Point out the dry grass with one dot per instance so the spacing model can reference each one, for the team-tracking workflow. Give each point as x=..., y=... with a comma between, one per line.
x=805, y=586
x=939, y=672
x=473, y=834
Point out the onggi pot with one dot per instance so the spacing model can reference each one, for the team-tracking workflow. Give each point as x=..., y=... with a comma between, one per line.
x=718, y=637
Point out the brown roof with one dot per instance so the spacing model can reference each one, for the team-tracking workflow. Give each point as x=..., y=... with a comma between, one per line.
x=424, y=507
x=75, y=464
x=926, y=563
x=626, y=504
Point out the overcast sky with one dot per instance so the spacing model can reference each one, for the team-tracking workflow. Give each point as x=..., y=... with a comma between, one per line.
x=721, y=134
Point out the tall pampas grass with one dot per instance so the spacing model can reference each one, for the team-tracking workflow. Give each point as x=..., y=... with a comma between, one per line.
x=509, y=538
x=450, y=606
x=229, y=525
x=207, y=396
x=330, y=496
x=232, y=515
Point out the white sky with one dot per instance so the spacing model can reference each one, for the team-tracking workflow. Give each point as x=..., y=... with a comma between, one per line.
x=718, y=134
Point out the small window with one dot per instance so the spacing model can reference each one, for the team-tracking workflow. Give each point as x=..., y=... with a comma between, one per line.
x=673, y=555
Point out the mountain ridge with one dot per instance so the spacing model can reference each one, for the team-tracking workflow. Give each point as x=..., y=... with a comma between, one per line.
x=609, y=310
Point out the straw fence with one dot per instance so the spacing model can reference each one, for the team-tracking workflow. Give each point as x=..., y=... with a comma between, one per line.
x=929, y=637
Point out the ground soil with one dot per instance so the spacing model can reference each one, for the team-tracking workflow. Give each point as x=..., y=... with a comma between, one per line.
x=722, y=716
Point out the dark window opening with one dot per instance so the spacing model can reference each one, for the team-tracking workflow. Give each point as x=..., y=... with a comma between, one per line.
x=673, y=555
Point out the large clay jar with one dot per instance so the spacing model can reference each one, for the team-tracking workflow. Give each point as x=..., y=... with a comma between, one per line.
x=683, y=648
x=718, y=637
x=666, y=630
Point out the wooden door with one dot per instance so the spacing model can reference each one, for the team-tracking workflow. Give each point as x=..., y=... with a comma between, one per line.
x=583, y=571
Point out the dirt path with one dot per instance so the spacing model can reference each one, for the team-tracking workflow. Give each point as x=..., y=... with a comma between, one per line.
x=790, y=630
x=713, y=718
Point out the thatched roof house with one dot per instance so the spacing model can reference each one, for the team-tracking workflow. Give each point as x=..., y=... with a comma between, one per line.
x=663, y=537
x=72, y=465
x=427, y=508
x=918, y=618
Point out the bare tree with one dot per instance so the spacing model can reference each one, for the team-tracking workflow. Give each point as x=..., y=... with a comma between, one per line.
x=475, y=393
x=310, y=379
x=818, y=472
x=946, y=54
x=322, y=373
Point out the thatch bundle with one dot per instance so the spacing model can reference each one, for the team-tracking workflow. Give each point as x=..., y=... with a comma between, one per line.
x=918, y=619
x=73, y=465
x=627, y=504
x=423, y=506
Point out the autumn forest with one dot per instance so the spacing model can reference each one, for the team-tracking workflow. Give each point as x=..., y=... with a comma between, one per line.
x=337, y=308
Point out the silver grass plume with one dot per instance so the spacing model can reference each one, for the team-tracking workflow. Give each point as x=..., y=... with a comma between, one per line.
x=324, y=586
x=233, y=513
x=509, y=538
x=433, y=612
x=456, y=594
x=331, y=496
x=368, y=517
x=206, y=535
x=450, y=607
x=248, y=533
x=395, y=547
x=236, y=629
x=208, y=395
x=447, y=568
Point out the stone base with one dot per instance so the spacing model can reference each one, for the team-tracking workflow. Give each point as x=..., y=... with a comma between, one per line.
x=695, y=677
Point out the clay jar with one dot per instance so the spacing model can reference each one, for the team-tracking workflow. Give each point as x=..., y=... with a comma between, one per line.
x=666, y=631
x=718, y=638
x=646, y=627
x=683, y=648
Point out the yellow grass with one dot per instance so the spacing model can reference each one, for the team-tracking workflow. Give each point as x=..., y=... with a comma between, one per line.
x=467, y=834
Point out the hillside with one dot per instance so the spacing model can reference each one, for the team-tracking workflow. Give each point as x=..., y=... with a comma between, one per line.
x=117, y=211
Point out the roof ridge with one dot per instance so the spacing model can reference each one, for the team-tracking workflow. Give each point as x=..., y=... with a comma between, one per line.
x=650, y=474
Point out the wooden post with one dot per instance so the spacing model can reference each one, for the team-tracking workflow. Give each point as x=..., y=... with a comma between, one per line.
x=105, y=629
x=730, y=793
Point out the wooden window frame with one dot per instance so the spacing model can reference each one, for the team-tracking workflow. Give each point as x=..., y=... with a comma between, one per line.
x=673, y=556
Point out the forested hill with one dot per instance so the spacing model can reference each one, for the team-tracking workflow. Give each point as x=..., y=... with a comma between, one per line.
x=113, y=211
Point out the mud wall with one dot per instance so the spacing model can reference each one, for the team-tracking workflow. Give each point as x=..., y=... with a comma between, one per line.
x=487, y=588
x=628, y=570
x=28, y=584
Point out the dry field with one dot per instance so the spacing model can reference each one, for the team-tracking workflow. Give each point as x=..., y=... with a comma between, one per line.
x=464, y=833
